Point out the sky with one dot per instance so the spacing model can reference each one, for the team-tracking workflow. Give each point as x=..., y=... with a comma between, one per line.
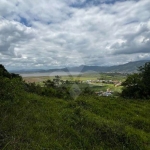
x=64, y=33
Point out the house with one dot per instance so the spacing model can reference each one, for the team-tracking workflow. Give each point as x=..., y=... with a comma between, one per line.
x=107, y=94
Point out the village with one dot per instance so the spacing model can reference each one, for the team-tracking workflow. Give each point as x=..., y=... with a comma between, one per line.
x=101, y=85
x=100, y=91
x=106, y=92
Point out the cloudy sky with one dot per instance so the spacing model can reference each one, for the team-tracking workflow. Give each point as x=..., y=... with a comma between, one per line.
x=63, y=33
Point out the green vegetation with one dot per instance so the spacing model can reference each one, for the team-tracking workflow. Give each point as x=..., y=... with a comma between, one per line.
x=137, y=85
x=48, y=118
x=82, y=78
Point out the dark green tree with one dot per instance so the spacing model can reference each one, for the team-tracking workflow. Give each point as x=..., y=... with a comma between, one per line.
x=56, y=80
x=4, y=72
x=49, y=83
x=137, y=85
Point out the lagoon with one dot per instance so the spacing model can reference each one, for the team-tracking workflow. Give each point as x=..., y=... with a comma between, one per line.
x=39, y=74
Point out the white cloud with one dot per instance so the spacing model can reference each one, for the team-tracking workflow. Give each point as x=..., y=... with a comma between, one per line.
x=55, y=34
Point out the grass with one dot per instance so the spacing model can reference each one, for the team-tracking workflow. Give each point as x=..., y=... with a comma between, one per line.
x=87, y=123
x=104, y=87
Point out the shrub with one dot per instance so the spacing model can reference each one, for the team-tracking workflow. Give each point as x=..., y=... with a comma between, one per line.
x=10, y=89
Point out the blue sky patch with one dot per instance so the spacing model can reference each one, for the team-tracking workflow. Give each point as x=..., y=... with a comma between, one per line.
x=24, y=21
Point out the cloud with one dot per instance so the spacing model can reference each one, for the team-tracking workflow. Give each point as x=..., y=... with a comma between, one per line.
x=134, y=42
x=49, y=34
x=12, y=36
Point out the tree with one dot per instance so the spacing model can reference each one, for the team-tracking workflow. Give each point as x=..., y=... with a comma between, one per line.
x=56, y=80
x=137, y=85
x=49, y=83
x=4, y=72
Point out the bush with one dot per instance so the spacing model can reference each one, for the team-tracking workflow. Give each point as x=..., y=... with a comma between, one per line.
x=10, y=89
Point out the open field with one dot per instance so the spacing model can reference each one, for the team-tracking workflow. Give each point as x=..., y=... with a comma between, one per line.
x=85, y=77
x=104, y=87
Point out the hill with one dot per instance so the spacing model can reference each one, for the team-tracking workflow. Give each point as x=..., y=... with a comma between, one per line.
x=36, y=122
x=124, y=68
x=30, y=121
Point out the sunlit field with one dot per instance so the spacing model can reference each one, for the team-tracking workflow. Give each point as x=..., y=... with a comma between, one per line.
x=84, y=78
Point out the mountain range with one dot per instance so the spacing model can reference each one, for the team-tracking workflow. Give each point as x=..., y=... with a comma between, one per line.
x=124, y=68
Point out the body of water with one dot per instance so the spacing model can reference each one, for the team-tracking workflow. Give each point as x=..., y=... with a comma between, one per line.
x=38, y=74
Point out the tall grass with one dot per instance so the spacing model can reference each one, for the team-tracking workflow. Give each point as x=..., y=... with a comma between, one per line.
x=87, y=123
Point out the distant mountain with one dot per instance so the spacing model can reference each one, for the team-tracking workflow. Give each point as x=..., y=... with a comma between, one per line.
x=124, y=68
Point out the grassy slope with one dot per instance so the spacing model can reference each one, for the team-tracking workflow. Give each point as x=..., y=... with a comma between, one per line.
x=86, y=123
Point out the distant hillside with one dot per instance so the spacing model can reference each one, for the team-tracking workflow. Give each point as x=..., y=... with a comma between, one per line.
x=126, y=68
x=129, y=67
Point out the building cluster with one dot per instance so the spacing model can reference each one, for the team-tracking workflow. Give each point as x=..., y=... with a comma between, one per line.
x=105, y=93
x=115, y=82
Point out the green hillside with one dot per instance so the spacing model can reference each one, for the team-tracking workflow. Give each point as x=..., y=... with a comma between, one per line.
x=36, y=122
x=32, y=122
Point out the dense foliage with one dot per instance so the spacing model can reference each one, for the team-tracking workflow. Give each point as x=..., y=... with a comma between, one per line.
x=137, y=85
x=11, y=85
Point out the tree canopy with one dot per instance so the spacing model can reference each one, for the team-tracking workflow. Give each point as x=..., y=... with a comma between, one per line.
x=137, y=85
